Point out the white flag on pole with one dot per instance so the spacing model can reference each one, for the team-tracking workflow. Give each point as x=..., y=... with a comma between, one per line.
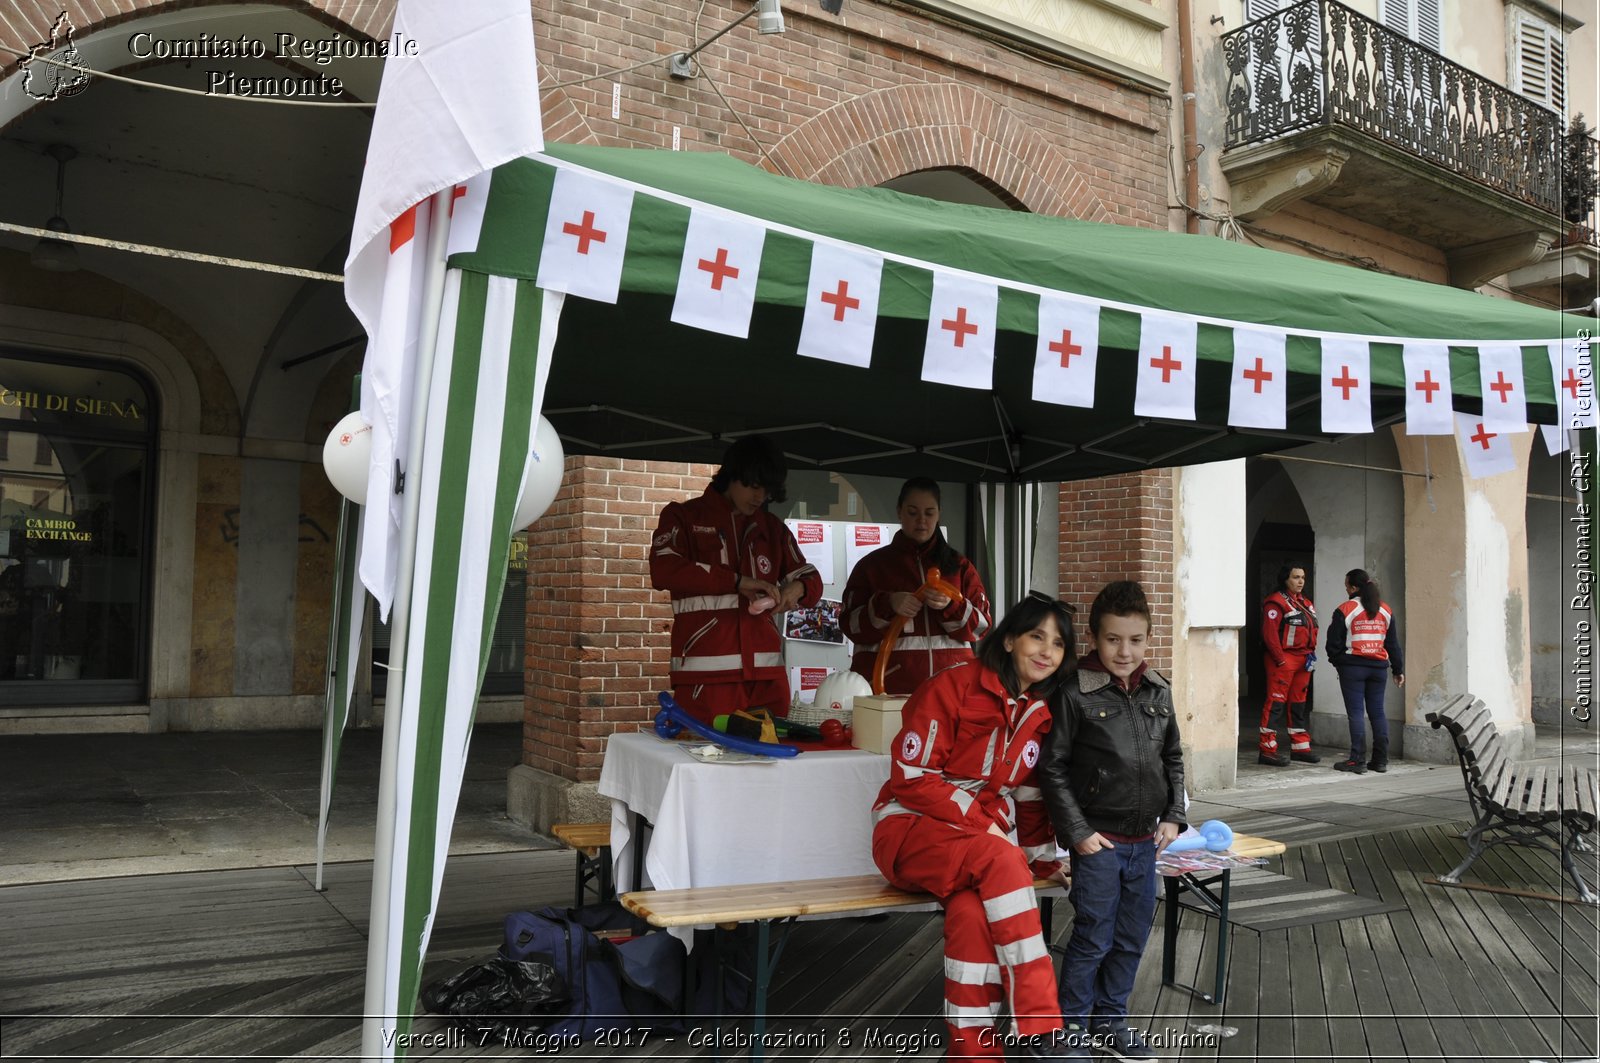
x=1346, y=386
x=585, y=236
x=464, y=103
x=1487, y=453
x=1164, y=384
x=841, y=315
x=1429, y=394
x=717, y=278
x=1573, y=373
x=961, y=320
x=1505, y=404
x=1259, y=394
x=1068, y=349
x=1556, y=440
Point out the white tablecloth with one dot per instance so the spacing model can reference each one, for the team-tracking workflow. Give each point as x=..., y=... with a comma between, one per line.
x=808, y=816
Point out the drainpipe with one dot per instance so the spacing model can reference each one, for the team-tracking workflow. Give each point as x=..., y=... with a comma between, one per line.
x=1191, y=143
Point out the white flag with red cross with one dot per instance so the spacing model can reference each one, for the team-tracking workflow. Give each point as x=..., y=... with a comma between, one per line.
x=841, y=315
x=1164, y=383
x=1428, y=392
x=1487, y=452
x=431, y=131
x=1556, y=439
x=961, y=321
x=1067, y=351
x=468, y=201
x=1573, y=373
x=1258, y=395
x=1505, y=404
x=717, y=278
x=585, y=236
x=1346, y=386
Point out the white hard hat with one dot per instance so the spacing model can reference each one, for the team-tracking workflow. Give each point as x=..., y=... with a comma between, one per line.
x=836, y=695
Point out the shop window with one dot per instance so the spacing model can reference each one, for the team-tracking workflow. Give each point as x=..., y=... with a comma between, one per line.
x=76, y=491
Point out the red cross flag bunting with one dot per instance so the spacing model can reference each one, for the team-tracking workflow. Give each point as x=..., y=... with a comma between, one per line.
x=1428, y=392
x=1505, y=407
x=717, y=279
x=1573, y=373
x=1487, y=452
x=1164, y=383
x=961, y=319
x=585, y=236
x=1258, y=396
x=1068, y=348
x=467, y=203
x=1346, y=386
x=1556, y=439
x=841, y=313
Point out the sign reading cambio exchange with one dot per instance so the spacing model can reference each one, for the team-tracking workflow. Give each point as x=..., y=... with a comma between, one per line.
x=57, y=529
x=47, y=402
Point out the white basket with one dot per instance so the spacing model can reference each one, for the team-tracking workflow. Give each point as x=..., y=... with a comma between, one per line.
x=814, y=714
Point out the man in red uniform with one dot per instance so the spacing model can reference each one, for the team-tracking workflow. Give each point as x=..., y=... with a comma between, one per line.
x=732, y=570
x=1289, y=630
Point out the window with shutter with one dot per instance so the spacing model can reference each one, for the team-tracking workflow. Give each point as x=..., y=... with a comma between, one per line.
x=1420, y=20
x=1538, y=60
x=1260, y=9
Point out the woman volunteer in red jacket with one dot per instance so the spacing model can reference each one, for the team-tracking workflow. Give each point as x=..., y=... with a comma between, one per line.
x=1361, y=645
x=962, y=817
x=718, y=555
x=882, y=590
x=1289, y=631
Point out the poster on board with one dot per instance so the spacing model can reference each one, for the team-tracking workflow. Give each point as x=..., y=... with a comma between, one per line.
x=804, y=680
x=816, y=544
x=814, y=623
x=861, y=539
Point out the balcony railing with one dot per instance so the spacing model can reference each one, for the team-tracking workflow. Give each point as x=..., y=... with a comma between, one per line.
x=1318, y=63
x=1586, y=230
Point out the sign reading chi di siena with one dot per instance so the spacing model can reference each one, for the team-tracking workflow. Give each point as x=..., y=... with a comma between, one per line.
x=48, y=402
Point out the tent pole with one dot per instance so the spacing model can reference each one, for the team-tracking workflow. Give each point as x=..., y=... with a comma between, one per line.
x=379, y=945
x=333, y=713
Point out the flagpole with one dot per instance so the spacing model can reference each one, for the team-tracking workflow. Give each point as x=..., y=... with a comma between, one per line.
x=378, y=938
x=333, y=715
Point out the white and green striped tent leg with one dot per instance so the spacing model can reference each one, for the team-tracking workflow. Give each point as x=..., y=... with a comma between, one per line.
x=1010, y=528
x=344, y=650
x=493, y=358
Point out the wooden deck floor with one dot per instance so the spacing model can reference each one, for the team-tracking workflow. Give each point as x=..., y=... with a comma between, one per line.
x=254, y=964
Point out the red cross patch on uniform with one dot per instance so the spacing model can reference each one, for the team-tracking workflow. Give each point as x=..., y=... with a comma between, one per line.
x=911, y=747
x=1030, y=753
x=764, y=565
x=1272, y=614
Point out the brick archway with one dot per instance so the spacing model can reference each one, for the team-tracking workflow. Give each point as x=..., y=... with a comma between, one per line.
x=901, y=130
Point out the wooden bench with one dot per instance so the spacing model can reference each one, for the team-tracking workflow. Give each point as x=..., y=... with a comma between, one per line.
x=1515, y=802
x=765, y=903
x=592, y=843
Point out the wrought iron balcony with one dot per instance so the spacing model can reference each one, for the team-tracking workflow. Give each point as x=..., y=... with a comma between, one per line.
x=1318, y=62
x=1326, y=104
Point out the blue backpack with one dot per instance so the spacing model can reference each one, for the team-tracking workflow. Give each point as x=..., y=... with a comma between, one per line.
x=631, y=985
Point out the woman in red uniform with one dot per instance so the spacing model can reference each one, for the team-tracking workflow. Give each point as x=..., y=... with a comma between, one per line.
x=962, y=817
x=882, y=590
x=1289, y=630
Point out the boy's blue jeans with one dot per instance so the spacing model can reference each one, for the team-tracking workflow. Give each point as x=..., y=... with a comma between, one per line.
x=1114, y=903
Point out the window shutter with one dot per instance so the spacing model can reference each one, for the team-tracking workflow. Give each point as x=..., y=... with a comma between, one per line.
x=1540, y=62
x=1429, y=19
x=1255, y=10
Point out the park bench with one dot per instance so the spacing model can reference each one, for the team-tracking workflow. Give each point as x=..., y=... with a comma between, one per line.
x=592, y=843
x=1517, y=802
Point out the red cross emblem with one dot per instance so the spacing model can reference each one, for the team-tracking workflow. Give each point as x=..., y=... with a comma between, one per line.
x=1344, y=381
x=587, y=233
x=1258, y=375
x=960, y=326
x=1066, y=348
x=1167, y=364
x=1572, y=383
x=1483, y=436
x=719, y=270
x=841, y=300
x=1503, y=386
x=1427, y=385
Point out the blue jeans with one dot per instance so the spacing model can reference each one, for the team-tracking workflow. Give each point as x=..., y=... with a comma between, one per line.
x=1363, y=685
x=1114, y=905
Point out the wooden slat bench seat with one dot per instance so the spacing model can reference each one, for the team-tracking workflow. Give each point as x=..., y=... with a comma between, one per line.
x=1515, y=802
x=592, y=843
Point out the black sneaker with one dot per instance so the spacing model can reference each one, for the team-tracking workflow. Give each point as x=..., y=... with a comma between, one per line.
x=1068, y=1044
x=1123, y=1042
x=1276, y=760
x=1306, y=757
x=1379, y=766
x=1351, y=765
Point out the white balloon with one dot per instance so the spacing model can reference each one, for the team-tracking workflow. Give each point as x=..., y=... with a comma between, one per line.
x=545, y=461
x=347, y=455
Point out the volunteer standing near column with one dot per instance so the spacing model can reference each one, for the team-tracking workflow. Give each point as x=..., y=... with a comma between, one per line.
x=1289, y=631
x=1362, y=644
x=881, y=592
x=731, y=568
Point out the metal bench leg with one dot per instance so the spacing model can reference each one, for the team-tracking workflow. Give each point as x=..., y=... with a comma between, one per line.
x=1585, y=894
x=1475, y=849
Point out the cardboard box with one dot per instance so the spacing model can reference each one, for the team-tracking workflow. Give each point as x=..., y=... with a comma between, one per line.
x=877, y=721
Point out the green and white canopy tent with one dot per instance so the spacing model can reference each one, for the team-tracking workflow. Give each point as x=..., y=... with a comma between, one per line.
x=628, y=380
x=654, y=304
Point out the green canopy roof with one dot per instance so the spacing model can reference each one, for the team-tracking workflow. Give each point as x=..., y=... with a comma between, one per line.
x=627, y=381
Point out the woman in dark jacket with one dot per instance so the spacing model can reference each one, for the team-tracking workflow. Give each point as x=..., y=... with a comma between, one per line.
x=1362, y=644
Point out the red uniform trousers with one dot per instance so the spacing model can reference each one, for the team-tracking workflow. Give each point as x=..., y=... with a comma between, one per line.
x=1286, y=696
x=994, y=948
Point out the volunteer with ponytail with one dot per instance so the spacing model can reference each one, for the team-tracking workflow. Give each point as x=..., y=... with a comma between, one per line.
x=1362, y=645
x=882, y=590
x=1289, y=632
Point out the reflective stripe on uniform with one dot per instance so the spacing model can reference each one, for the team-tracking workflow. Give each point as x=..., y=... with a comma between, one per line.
x=928, y=642
x=1017, y=953
x=1009, y=904
x=725, y=662
x=705, y=602
x=967, y=1015
x=968, y=973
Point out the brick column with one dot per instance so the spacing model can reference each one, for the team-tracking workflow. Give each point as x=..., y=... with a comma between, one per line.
x=597, y=636
x=1120, y=527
